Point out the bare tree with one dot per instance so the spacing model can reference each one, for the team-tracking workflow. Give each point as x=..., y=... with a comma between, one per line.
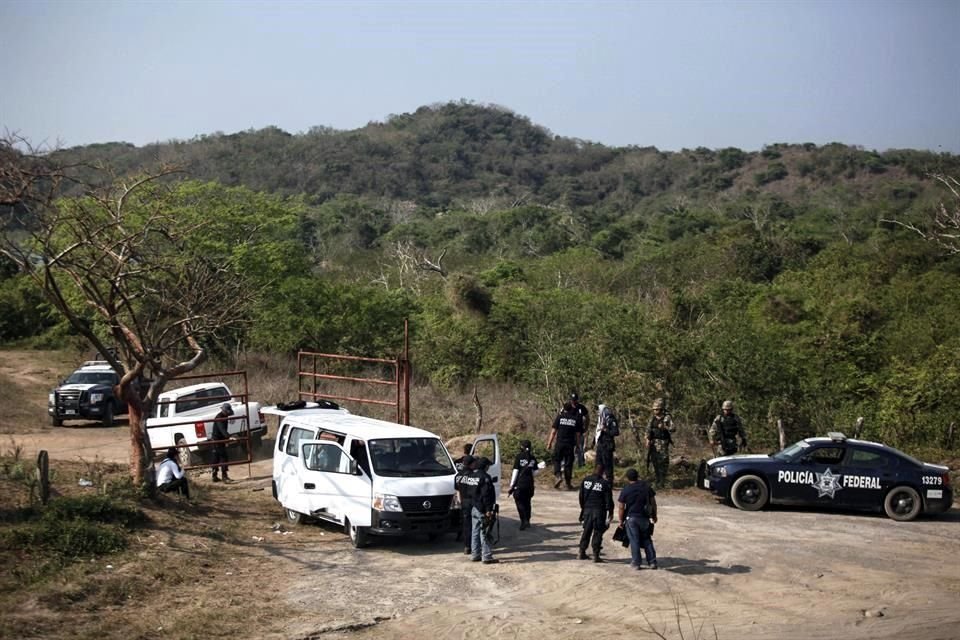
x=123, y=268
x=942, y=227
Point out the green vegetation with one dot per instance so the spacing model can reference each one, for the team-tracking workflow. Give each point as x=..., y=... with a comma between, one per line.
x=772, y=278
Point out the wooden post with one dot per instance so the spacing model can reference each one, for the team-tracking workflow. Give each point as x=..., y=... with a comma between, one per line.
x=43, y=476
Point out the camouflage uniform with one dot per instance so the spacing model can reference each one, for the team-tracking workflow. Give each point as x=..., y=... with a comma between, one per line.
x=725, y=430
x=659, y=439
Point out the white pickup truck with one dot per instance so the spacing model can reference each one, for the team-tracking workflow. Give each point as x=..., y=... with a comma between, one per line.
x=185, y=416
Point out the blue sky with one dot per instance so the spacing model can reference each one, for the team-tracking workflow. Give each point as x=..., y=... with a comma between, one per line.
x=669, y=74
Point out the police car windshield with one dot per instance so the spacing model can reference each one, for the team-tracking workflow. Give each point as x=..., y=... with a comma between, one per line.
x=91, y=377
x=409, y=457
x=793, y=451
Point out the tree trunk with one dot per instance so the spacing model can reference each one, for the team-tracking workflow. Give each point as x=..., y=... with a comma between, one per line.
x=476, y=402
x=140, y=454
x=783, y=434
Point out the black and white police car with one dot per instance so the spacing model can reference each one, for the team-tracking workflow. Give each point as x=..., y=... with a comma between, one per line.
x=831, y=472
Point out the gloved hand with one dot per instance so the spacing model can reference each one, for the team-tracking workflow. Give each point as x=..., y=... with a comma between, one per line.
x=581, y=517
x=510, y=492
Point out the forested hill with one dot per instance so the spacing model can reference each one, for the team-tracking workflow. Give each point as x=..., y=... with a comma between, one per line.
x=448, y=155
x=785, y=279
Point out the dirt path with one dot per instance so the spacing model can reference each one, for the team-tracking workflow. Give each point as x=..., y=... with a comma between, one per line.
x=778, y=573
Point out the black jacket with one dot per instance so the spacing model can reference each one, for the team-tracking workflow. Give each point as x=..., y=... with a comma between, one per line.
x=485, y=496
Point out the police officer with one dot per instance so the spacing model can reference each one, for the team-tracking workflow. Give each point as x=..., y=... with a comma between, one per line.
x=725, y=429
x=596, y=511
x=521, y=482
x=585, y=417
x=659, y=440
x=221, y=432
x=458, y=464
x=567, y=434
x=465, y=483
x=607, y=430
x=484, y=503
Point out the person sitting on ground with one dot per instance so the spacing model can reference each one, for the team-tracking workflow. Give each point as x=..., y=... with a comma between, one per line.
x=170, y=476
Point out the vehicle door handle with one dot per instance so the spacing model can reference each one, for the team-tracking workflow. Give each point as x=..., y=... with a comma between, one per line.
x=309, y=485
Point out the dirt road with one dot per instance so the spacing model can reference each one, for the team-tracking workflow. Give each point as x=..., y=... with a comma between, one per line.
x=778, y=573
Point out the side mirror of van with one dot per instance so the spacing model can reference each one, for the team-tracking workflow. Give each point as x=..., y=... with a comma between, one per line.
x=354, y=468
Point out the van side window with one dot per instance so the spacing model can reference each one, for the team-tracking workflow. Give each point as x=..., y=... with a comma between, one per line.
x=282, y=437
x=325, y=457
x=293, y=443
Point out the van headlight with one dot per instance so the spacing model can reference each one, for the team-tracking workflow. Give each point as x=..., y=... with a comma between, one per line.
x=455, y=503
x=385, y=502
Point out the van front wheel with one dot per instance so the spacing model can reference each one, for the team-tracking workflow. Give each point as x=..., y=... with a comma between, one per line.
x=294, y=517
x=358, y=535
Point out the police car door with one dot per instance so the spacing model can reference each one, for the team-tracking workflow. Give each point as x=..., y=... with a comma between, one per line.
x=821, y=484
x=331, y=484
x=867, y=474
x=488, y=446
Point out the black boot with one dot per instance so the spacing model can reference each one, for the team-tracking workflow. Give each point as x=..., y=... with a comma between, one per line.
x=597, y=558
x=582, y=555
x=216, y=478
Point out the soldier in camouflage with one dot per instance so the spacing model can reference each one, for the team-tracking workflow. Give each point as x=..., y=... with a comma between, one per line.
x=725, y=430
x=659, y=439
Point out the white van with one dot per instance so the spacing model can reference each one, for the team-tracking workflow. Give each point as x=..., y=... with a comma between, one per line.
x=369, y=476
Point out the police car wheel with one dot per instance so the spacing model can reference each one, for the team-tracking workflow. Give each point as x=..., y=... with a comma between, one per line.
x=749, y=493
x=358, y=535
x=902, y=503
x=293, y=517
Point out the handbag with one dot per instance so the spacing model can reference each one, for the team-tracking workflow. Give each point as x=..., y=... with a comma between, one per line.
x=620, y=535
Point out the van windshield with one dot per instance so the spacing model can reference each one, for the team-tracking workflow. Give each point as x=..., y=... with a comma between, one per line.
x=409, y=457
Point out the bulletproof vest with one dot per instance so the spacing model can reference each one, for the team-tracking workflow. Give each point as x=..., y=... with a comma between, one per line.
x=568, y=426
x=729, y=426
x=657, y=430
x=466, y=484
x=525, y=465
x=595, y=491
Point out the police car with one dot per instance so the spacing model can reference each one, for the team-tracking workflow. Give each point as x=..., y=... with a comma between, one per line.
x=831, y=472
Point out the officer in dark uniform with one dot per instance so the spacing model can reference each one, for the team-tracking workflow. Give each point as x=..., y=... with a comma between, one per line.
x=567, y=433
x=458, y=463
x=596, y=511
x=521, y=482
x=484, y=505
x=465, y=483
x=725, y=429
x=607, y=430
x=221, y=431
x=585, y=416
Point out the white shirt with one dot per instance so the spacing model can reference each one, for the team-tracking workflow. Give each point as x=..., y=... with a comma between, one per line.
x=169, y=471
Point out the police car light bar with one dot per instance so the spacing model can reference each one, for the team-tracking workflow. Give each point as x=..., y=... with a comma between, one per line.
x=836, y=436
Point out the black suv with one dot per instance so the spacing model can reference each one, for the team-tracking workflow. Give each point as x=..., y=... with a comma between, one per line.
x=86, y=394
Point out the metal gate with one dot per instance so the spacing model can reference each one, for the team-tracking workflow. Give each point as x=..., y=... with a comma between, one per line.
x=313, y=367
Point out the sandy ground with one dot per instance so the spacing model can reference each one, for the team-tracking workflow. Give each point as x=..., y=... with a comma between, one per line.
x=779, y=573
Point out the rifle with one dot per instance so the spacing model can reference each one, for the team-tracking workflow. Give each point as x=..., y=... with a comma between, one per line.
x=649, y=457
x=489, y=521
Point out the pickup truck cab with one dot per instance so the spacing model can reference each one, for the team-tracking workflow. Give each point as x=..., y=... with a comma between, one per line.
x=185, y=416
x=86, y=394
x=368, y=476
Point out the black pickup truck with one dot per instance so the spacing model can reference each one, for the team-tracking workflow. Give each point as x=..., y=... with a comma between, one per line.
x=87, y=394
